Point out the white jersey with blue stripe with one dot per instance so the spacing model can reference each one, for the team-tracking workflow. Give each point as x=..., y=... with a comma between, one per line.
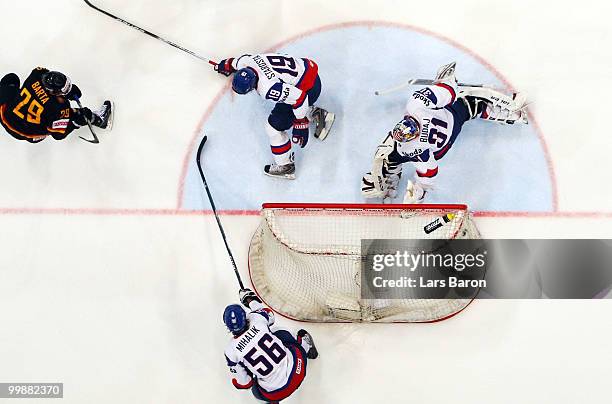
x=436, y=123
x=280, y=78
x=258, y=352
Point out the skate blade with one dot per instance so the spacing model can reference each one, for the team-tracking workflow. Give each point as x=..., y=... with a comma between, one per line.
x=284, y=176
x=111, y=118
x=330, y=118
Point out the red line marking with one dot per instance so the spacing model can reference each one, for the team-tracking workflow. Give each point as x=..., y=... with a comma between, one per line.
x=247, y=212
x=366, y=23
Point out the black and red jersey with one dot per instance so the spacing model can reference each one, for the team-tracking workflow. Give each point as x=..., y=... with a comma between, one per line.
x=34, y=114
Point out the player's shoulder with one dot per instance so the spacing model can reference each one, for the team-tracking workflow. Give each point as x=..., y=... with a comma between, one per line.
x=37, y=73
x=423, y=98
x=414, y=147
x=259, y=315
x=230, y=351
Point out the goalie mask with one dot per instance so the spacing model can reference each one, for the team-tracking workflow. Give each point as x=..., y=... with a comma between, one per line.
x=405, y=130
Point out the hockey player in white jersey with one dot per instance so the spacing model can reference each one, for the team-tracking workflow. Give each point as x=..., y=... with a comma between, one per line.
x=294, y=85
x=433, y=118
x=270, y=363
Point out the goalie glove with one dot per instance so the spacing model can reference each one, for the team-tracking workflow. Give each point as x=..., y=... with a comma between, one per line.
x=415, y=193
x=446, y=74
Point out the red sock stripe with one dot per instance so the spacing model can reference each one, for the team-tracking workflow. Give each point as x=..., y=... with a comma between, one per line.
x=242, y=386
x=281, y=149
x=429, y=173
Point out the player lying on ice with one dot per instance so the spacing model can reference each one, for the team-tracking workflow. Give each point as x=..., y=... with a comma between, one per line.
x=271, y=363
x=294, y=85
x=433, y=119
x=41, y=107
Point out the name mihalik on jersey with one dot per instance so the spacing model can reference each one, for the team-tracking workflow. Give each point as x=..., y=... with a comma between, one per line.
x=246, y=338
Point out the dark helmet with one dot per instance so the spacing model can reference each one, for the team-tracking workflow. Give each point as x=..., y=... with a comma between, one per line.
x=235, y=319
x=244, y=80
x=56, y=83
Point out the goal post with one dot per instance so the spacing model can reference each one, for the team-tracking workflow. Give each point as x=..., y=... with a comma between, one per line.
x=305, y=258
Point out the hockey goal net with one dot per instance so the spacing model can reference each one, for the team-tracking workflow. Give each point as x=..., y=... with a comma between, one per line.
x=305, y=259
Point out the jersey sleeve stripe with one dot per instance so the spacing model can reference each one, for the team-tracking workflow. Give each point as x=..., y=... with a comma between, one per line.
x=429, y=173
x=242, y=386
x=311, y=71
x=300, y=101
x=450, y=90
x=63, y=130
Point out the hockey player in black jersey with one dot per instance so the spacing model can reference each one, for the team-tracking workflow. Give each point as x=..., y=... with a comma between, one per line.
x=41, y=107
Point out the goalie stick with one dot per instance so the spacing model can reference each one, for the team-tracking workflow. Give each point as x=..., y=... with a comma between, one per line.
x=214, y=209
x=149, y=33
x=420, y=82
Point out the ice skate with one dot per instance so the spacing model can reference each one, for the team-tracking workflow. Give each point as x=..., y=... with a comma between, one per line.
x=305, y=339
x=286, y=171
x=324, y=121
x=103, y=118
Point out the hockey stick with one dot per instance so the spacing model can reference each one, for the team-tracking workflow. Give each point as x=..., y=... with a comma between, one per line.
x=418, y=82
x=95, y=139
x=144, y=31
x=214, y=209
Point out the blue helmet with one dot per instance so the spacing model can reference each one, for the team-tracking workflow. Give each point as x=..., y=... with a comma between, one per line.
x=405, y=130
x=235, y=319
x=244, y=80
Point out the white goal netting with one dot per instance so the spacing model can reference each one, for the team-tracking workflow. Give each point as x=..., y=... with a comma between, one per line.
x=305, y=259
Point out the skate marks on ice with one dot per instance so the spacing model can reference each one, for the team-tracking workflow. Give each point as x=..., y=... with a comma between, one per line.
x=490, y=167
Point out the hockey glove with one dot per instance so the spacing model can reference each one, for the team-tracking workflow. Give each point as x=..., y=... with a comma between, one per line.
x=75, y=93
x=247, y=296
x=81, y=116
x=300, y=132
x=225, y=67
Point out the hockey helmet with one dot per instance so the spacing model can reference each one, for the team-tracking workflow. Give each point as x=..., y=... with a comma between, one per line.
x=56, y=83
x=244, y=80
x=405, y=130
x=235, y=319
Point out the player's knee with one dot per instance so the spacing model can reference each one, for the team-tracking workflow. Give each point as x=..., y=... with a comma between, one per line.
x=281, y=118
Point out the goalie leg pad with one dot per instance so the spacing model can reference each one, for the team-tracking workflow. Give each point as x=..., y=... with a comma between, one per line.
x=500, y=107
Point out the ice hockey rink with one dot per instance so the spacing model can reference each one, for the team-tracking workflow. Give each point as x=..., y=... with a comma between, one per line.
x=113, y=276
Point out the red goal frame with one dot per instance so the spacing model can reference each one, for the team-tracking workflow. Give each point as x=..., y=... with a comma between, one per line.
x=354, y=206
